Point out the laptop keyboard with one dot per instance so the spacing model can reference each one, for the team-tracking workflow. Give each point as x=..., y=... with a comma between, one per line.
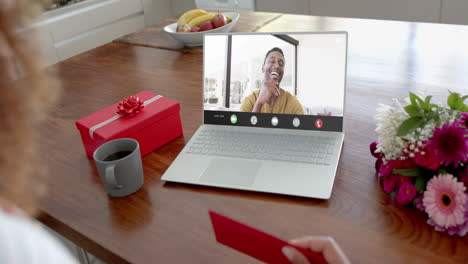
x=251, y=145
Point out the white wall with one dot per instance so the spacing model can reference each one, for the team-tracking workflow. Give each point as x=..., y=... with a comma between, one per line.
x=282, y=6
x=156, y=10
x=321, y=72
x=71, y=30
x=454, y=11
x=180, y=6
x=406, y=10
x=436, y=11
x=214, y=70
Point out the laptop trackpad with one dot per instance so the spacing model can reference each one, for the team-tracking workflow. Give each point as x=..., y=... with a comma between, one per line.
x=231, y=172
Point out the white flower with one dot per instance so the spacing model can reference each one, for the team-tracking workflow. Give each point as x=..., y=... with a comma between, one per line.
x=389, y=118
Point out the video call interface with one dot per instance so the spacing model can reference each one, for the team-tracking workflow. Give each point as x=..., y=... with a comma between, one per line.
x=275, y=80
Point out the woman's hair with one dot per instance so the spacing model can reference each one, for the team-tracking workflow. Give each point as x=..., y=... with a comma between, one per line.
x=26, y=90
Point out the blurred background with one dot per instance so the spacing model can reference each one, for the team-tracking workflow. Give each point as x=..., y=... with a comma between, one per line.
x=70, y=27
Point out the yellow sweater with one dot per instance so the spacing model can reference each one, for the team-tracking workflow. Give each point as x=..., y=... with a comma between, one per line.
x=286, y=103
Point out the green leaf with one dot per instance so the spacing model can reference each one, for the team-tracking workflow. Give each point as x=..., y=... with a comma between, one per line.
x=428, y=99
x=420, y=101
x=442, y=171
x=427, y=103
x=452, y=100
x=420, y=183
x=437, y=120
x=412, y=98
x=434, y=106
x=416, y=172
x=456, y=102
x=412, y=110
x=409, y=124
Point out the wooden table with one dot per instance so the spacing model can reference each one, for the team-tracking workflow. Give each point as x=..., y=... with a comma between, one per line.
x=169, y=223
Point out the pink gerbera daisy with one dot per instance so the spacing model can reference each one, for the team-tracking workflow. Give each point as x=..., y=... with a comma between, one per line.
x=464, y=179
x=460, y=230
x=444, y=201
x=450, y=144
x=418, y=202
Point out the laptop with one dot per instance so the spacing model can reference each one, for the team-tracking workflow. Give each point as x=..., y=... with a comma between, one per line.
x=273, y=107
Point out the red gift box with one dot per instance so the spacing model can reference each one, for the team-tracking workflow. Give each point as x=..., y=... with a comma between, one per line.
x=156, y=124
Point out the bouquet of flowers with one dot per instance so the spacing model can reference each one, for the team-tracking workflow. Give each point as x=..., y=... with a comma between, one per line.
x=422, y=158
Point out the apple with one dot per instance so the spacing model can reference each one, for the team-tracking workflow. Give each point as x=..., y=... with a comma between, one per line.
x=219, y=20
x=207, y=25
x=195, y=29
x=183, y=28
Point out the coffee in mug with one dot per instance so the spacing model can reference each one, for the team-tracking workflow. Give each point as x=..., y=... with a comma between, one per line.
x=117, y=155
x=120, y=167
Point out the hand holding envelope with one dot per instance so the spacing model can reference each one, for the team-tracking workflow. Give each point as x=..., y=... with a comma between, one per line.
x=272, y=250
x=325, y=245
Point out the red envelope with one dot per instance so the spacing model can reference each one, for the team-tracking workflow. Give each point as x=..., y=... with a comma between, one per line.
x=255, y=243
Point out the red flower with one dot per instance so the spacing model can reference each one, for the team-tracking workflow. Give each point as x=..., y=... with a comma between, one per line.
x=464, y=119
x=402, y=178
x=378, y=164
x=403, y=164
x=426, y=158
x=464, y=179
x=389, y=183
x=372, y=148
x=406, y=193
x=450, y=143
x=385, y=170
x=130, y=106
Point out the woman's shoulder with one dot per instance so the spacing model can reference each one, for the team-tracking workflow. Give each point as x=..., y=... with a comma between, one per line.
x=24, y=241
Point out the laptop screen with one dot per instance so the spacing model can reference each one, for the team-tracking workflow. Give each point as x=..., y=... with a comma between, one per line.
x=277, y=80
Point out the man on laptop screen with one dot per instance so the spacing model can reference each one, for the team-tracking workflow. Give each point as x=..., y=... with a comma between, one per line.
x=287, y=74
x=270, y=98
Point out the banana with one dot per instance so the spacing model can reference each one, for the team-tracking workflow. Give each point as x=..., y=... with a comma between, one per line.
x=229, y=19
x=190, y=15
x=196, y=22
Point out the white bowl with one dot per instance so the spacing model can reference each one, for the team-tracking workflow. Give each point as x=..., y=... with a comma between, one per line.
x=196, y=38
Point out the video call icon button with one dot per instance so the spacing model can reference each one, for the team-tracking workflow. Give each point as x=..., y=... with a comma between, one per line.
x=318, y=123
x=274, y=121
x=233, y=119
x=296, y=122
x=253, y=120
